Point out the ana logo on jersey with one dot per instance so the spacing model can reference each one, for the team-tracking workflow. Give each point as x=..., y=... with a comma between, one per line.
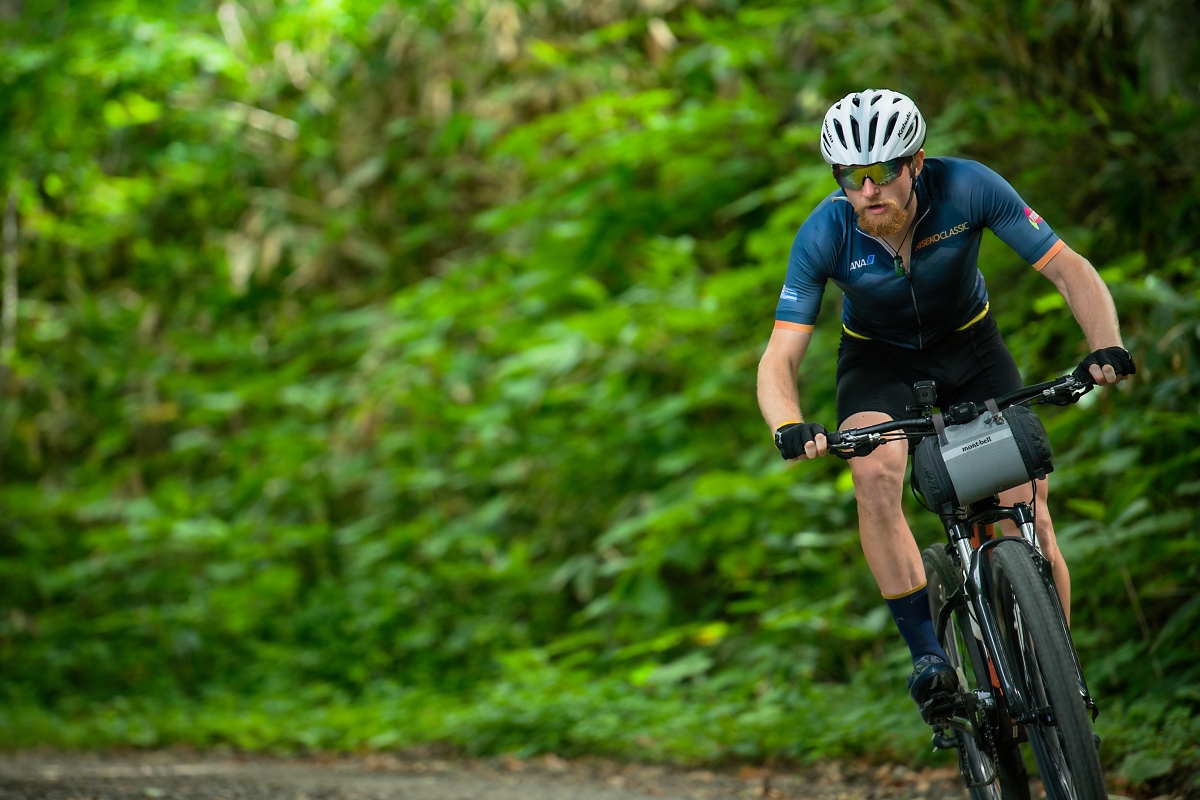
x=790, y=295
x=862, y=262
x=1033, y=217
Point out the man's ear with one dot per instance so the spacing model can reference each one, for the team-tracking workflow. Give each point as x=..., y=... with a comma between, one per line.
x=918, y=162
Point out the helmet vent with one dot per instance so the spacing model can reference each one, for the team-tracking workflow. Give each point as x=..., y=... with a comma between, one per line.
x=891, y=126
x=837, y=126
x=854, y=100
x=854, y=133
x=871, y=131
x=876, y=99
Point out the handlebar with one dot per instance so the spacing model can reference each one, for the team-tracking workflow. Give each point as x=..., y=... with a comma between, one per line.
x=863, y=441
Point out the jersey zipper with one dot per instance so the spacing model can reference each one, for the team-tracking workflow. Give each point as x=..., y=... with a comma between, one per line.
x=908, y=271
x=908, y=268
x=916, y=310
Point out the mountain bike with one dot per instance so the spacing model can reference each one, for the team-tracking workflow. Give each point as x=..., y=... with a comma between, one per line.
x=993, y=601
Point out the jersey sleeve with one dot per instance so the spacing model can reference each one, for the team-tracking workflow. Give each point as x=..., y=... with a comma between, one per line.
x=994, y=204
x=814, y=253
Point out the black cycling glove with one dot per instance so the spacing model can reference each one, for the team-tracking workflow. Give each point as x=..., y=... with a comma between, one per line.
x=791, y=438
x=1117, y=357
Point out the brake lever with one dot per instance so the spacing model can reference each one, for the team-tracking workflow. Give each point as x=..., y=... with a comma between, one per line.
x=844, y=455
x=1067, y=393
x=853, y=449
x=843, y=450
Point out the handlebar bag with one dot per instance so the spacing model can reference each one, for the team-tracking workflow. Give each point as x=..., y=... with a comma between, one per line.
x=994, y=452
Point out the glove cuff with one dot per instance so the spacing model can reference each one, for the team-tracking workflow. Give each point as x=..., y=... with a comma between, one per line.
x=778, y=435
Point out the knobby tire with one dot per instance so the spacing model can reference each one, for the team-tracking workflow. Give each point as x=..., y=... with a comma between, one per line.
x=966, y=656
x=1040, y=651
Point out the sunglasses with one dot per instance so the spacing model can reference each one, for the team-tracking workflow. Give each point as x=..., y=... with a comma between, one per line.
x=880, y=173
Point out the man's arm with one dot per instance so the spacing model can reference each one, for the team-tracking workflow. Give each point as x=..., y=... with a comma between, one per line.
x=1090, y=302
x=777, y=395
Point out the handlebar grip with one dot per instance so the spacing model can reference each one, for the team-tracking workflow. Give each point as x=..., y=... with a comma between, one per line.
x=833, y=438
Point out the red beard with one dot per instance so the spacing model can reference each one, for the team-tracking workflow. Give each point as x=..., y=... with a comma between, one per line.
x=886, y=224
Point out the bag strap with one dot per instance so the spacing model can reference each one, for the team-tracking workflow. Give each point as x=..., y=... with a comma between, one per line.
x=990, y=405
x=939, y=425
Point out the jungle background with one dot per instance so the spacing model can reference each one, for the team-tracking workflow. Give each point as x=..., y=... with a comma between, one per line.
x=376, y=374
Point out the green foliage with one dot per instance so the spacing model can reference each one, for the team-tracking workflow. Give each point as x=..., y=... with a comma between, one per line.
x=384, y=373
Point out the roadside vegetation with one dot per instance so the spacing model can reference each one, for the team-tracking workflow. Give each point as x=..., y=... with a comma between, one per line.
x=382, y=373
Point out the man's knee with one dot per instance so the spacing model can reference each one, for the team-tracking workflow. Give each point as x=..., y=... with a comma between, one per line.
x=879, y=477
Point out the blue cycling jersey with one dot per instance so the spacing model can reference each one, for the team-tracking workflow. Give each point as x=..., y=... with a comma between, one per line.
x=943, y=290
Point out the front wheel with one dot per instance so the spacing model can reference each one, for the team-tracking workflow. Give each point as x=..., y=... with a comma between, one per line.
x=978, y=758
x=1039, y=650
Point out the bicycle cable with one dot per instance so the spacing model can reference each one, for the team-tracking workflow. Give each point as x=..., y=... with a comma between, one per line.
x=1033, y=506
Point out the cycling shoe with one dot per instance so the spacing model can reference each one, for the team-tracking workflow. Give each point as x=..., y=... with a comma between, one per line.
x=934, y=686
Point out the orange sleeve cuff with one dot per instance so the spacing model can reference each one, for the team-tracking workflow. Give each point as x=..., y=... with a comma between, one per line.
x=794, y=326
x=1051, y=253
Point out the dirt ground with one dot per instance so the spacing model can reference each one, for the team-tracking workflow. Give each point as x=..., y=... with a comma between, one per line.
x=229, y=776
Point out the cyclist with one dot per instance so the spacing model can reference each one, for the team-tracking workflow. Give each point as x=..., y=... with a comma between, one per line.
x=901, y=239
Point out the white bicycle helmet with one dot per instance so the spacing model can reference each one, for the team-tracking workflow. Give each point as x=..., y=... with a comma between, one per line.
x=871, y=126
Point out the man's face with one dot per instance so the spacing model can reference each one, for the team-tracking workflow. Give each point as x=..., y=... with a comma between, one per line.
x=881, y=209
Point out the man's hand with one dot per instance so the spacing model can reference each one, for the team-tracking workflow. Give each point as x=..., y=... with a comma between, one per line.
x=1105, y=367
x=801, y=440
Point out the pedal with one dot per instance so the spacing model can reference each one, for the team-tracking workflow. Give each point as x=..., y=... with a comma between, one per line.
x=941, y=709
x=944, y=739
x=937, y=710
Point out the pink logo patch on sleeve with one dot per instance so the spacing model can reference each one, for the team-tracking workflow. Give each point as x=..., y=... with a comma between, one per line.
x=1033, y=217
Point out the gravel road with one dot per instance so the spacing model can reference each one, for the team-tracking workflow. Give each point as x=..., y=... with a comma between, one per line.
x=215, y=776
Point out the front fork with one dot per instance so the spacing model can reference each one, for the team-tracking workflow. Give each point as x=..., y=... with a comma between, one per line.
x=977, y=578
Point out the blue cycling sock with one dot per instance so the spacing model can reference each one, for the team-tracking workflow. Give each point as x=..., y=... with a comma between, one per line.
x=911, y=612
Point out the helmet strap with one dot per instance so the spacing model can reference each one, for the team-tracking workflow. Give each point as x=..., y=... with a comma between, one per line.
x=912, y=168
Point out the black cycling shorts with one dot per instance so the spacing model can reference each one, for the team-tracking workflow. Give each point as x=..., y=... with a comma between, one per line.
x=968, y=365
